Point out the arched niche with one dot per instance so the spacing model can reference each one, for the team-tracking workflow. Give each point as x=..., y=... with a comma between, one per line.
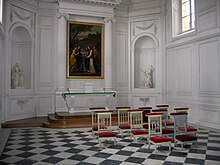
x=21, y=58
x=144, y=51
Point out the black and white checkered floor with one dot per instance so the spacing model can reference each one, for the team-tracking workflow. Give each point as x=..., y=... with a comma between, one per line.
x=42, y=146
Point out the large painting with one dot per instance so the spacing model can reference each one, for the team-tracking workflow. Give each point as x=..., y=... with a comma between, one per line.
x=85, y=51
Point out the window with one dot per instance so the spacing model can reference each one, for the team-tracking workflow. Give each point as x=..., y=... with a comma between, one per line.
x=183, y=16
x=1, y=8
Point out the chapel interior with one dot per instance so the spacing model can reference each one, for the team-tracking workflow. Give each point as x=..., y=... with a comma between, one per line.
x=151, y=53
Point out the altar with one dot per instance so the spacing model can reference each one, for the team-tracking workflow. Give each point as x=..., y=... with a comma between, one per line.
x=75, y=101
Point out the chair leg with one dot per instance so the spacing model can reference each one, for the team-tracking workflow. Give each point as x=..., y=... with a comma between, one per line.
x=148, y=144
x=114, y=142
x=99, y=143
x=170, y=147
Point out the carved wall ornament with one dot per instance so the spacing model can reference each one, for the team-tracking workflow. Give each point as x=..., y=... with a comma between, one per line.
x=32, y=22
x=109, y=19
x=176, y=4
x=22, y=102
x=144, y=100
x=64, y=15
x=100, y=2
x=11, y=16
x=21, y=15
x=145, y=28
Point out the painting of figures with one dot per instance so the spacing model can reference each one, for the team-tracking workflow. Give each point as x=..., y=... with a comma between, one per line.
x=85, y=54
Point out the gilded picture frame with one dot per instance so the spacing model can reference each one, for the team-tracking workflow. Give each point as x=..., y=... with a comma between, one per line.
x=85, y=50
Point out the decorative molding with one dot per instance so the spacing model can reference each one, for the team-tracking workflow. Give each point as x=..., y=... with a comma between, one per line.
x=109, y=19
x=11, y=16
x=100, y=2
x=144, y=100
x=32, y=22
x=22, y=102
x=64, y=15
x=21, y=15
x=144, y=28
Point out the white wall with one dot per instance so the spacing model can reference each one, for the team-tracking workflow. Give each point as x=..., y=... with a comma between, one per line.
x=48, y=54
x=1, y=83
x=2, y=65
x=193, y=66
x=135, y=19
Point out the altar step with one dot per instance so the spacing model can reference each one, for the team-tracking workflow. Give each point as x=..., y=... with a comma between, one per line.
x=72, y=120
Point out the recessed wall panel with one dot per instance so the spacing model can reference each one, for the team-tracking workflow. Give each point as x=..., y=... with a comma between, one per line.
x=45, y=56
x=209, y=67
x=184, y=70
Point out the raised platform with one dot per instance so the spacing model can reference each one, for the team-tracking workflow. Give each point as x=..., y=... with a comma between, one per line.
x=57, y=120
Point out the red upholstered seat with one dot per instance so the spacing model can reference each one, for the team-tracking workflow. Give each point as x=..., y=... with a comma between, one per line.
x=162, y=105
x=188, y=129
x=167, y=131
x=107, y=134
x=139, y=131
x=124, y=126
x=160, y=139
x=95, y=127
x=186, y=137
x=168, y=123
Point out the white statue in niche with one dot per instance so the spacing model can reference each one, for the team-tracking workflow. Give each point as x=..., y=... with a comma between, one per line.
x=148, y=77
x=17, y=79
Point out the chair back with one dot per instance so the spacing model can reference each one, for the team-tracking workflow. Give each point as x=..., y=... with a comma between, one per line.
x=155, y=123
x=180, y=124
x=136, y=119
x=145, y=111
x=123, y=117
x=94, y=114
x=104, y=120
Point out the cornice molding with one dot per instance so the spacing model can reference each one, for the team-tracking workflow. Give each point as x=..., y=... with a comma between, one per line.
x=96, y=2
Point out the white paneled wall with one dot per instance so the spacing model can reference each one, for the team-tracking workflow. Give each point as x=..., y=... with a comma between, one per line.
x=193, y=66
x=1, y=83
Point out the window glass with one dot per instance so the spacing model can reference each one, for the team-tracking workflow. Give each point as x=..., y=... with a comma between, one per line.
x=1, y=10
x=183, y=16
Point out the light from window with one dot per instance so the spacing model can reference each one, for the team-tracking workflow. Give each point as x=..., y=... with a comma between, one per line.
x=183, y=16
x=1, y=8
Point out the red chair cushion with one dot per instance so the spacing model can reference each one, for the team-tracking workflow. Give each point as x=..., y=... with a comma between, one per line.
x=188, y=129
x=162, y=105
x=181, y=109
x=160, y=139
x=139, y=131
x=184, y=138
x=168, y=123
x=107, y=134
x=167, y=131
x=95, y=127
x=124, y=126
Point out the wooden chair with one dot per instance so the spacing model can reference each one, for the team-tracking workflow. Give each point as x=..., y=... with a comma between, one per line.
x=180, y=129
x=155, y=130
x=123, y=119
x=95, y=119
x=189, y=129
x=105, y=131
x=166, y=121
x=145, y=118
x=136, y=124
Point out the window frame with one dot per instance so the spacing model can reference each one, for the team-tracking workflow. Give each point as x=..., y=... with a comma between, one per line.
x=1, y=11
x=2, y=34
x=176, y=17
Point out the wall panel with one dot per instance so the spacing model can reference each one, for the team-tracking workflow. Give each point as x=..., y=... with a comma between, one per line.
x=184, y=70
x=209, y=75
